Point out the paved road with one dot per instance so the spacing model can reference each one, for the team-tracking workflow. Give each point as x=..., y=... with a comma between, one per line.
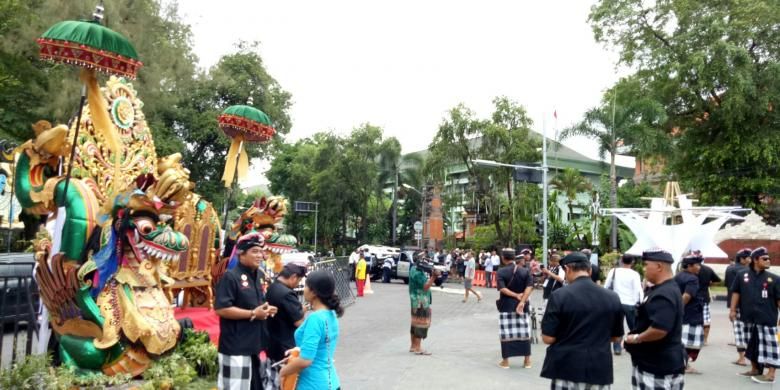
x=374, y=342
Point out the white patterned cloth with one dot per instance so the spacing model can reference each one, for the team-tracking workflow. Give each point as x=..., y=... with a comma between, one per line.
x=693, y=336
x=768, y=349
x=641, y=380
x=740, y=333
x=514, y=327
x=707, y=314
x=235, y=372
x=560, y=384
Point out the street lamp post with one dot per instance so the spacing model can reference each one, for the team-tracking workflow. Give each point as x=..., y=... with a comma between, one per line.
x=543, y=168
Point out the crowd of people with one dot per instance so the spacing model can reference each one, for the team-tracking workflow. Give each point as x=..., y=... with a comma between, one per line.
x=667, y=313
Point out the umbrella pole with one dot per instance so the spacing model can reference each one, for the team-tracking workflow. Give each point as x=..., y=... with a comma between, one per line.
x=73, y=146
x=229, y=191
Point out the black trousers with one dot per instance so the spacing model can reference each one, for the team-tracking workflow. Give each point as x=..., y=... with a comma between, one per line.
x=386, y=275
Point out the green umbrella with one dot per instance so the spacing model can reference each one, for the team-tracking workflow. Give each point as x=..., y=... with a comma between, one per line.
x=90, y=45
x=246, y=123
x=242, y=124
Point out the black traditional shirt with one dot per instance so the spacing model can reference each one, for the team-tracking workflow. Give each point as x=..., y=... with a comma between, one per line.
x=706, y=277
x=662, y=309
x=521, y=280
x=240, y=287
x=582, y=317
x=281, y=327
x=694, y=310
x=758, y=296
x=731, y=275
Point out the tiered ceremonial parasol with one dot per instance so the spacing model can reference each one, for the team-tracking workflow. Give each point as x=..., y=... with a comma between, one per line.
x=92, y=47
x=242, y=124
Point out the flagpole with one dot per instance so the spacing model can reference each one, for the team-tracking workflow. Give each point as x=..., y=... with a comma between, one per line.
x=544, y=192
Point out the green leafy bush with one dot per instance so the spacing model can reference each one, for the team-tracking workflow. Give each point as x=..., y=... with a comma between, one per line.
x=34, y=372
x=169, y=372
x=200, y=352
x=194, y=356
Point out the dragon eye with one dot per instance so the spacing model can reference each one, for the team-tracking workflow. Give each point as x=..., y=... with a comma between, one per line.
x=144, y=225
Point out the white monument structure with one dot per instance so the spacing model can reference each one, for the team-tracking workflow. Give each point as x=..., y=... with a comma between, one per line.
x=678, y=228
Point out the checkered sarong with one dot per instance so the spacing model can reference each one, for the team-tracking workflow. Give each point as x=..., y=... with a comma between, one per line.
x=707, y=314
x=513, y=327
x=560, y=384
x=768, y=349
x=235, y=372
x=641, y=380
x=271, y=379
x=740, y=333
x=692, y=336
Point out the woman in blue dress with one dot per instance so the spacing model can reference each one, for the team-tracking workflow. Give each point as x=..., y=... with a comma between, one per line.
x=317, y=336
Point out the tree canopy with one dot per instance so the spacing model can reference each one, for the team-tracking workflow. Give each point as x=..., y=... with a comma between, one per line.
x=504, y=137
x=714, y=68
x=344, y=174
x=181, y=102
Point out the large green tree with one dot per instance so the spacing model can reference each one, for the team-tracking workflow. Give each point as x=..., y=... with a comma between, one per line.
x=504, y=137
x=571, y=183
x=238, y=78
x=341, y=174
x=397, y=169
x=627, y=119
x=714, y=67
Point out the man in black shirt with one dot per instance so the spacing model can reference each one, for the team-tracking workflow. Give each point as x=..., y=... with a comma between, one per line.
x=655, y=343
x=707, y=277
x=741, y=264
x=757, y=295
x=580, y=322
x=515, y=286
x=242, y=311
x=693, y=315
x=595, y=269
x=281, y=327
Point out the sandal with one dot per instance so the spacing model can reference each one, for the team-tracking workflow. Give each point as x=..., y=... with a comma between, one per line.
x=423, y=353
x=692, y=371
x=749, y=373
x=506, y=367
x=738, y=363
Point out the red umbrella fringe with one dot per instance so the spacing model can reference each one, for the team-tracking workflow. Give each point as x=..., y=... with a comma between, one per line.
x=252, y=131
x=88, y=57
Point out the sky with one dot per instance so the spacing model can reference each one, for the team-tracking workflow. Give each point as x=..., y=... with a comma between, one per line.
x=402, y=64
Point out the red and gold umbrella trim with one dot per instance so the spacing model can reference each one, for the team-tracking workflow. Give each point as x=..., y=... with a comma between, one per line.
x=85, y=56
x=252, y=131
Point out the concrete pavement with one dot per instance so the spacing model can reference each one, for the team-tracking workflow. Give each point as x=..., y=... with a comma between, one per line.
x=374, y=343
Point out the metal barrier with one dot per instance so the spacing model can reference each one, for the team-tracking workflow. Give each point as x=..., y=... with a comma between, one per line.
x=19, y=302
x=339, y=268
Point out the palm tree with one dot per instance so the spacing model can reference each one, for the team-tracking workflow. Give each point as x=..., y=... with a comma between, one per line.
x=627, y=118
x=570, y=182
x=397, y=169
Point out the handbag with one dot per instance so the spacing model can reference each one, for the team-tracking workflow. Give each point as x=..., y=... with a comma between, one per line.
x=614, y=275
x=498, y=301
